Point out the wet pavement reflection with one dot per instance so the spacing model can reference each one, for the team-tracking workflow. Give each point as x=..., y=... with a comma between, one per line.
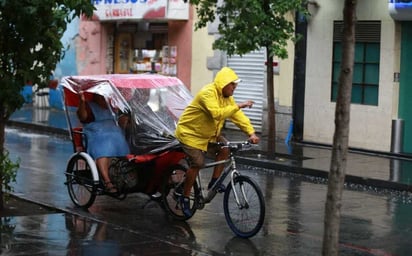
x=374, y=222
x=67, y=234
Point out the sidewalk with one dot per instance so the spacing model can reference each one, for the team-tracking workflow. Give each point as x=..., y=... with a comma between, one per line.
x=371, y=169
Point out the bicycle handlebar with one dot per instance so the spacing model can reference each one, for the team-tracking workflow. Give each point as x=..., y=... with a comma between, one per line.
x=242, y=145
x=236, y=145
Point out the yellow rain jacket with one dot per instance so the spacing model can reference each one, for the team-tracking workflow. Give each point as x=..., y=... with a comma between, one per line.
x=203, y=119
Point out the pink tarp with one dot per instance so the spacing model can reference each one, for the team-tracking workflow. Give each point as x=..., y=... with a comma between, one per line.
x=154, y=103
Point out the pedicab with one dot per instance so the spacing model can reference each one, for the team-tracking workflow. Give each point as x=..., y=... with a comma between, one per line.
x=153, y=104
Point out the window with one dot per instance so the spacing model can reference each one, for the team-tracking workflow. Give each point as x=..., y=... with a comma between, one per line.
x=365, y=88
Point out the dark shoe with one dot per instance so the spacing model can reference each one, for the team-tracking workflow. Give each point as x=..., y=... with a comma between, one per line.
x=156, y=196
x=110, y=188
x=185, y=204
x=220, y=189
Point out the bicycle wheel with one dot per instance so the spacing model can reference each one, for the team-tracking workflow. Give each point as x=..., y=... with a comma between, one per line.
x=246, y=218
x=80, y=183
x=172, y=189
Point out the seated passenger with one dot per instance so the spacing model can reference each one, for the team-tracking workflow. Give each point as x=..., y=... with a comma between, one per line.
x=105, y=139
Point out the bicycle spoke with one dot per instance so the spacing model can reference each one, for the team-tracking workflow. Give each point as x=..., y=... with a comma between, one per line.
x=245, y=211
x=173, y=190
x=80, y=184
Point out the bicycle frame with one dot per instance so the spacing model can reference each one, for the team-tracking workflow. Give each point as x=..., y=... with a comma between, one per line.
x=229, y=169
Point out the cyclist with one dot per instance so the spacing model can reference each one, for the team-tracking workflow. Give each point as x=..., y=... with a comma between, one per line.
x=201, y=123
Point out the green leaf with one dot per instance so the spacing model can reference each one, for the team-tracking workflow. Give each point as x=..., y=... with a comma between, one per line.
x=30, y=48
x=248, y=25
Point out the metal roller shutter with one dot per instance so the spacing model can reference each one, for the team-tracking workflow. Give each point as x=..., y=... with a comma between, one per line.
x=251, y=69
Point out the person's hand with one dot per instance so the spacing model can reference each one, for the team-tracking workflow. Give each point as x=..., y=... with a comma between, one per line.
x=245, y=104
x=123, y=121
x=254, y=139
x=81, y=96
x=81, y=110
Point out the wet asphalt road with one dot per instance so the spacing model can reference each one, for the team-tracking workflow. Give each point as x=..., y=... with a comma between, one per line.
x=373, y=222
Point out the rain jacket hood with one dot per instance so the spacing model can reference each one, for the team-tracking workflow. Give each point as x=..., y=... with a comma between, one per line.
x=203, y=119
x=224, y=77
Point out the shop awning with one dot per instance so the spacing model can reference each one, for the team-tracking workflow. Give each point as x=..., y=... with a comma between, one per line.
x=121, y=10
x=400, y=9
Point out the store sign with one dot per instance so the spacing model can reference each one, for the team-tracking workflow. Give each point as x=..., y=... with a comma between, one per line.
x=178, y=10
x=139, y=9
x=400, y=9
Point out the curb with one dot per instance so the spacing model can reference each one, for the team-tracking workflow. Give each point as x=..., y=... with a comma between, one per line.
x=391, y=185
x=39, y=128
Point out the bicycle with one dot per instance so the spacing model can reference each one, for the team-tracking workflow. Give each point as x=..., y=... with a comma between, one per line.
x=243, y=202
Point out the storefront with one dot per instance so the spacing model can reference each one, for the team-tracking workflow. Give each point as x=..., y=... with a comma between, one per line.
x=136, y=36
x=143, y=47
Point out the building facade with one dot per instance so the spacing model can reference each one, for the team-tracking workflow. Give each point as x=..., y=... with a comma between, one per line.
x=380, y=83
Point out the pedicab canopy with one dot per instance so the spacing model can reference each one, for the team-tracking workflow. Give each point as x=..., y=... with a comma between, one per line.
x=152, y=102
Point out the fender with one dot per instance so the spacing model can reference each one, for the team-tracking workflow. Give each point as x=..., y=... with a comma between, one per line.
x=90, y=162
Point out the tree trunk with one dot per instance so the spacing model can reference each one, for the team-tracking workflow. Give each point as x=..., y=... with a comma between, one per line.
x=341, y=136
x=271, y=146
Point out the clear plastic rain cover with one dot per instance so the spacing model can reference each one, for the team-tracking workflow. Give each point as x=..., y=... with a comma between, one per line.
x=152, y=102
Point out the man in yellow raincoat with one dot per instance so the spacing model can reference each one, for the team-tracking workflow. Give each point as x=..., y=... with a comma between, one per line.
x=201, y=123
